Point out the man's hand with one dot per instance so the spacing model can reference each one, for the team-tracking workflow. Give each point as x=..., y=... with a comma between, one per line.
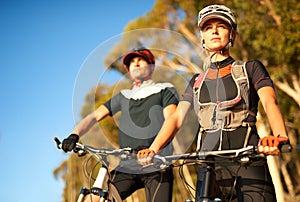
x=145, y=156
x=69, y=143
x=269, y=144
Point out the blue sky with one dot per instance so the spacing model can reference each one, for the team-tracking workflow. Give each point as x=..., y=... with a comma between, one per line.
x=43, y=47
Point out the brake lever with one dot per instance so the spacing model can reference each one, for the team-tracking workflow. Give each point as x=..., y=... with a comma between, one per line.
x=80, y=152
x=58, y=143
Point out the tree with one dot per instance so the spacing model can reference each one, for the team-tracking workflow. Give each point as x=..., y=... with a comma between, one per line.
x=270, y=33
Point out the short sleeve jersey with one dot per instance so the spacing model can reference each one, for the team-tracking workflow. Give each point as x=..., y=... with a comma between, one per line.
x=141, y=112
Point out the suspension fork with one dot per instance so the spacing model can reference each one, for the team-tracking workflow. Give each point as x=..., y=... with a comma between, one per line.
x=208, y=184
x=103, y=194
x=209, y=189
x=100, y=186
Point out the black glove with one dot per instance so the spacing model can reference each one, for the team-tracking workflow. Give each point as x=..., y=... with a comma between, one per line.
x=69, y=143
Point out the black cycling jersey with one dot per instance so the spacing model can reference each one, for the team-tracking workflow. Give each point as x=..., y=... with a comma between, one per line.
x=141, y=112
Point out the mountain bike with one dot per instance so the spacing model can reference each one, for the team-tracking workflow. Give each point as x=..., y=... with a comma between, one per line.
x=211, y=159
x=102, y=187
x=107, y=192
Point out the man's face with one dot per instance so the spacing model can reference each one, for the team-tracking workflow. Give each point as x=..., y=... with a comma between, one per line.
x=139, y=68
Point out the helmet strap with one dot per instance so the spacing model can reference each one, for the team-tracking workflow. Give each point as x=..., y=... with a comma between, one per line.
x=230, y=39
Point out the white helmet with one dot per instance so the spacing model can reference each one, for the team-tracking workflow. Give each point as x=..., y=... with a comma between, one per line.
x=216, y=11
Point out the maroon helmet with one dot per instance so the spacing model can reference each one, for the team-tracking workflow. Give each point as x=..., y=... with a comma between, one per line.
x=142, y=52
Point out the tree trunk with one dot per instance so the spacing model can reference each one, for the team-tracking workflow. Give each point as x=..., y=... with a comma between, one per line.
x=272, y=162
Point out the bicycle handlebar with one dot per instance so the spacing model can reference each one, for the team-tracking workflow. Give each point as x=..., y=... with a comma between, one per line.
x=241, y=155
x=81, y=149
x=203, y=156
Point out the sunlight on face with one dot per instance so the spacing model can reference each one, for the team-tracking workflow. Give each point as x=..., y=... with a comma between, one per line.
x=139, y=68
x=216, y=34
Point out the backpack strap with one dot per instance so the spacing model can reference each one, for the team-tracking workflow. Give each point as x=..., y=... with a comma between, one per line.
x=199, y=79
x=240, y=75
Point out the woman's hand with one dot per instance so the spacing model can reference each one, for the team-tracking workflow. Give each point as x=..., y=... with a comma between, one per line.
x=145, y=156
x=269, y=145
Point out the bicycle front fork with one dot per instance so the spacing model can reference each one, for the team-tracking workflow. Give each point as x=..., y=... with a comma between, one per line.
x=103, y=194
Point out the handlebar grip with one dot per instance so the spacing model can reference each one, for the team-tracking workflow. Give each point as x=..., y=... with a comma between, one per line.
x=285, y=147
x=58, y=143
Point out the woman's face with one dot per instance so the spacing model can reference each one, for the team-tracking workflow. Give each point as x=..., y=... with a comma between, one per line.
x=139, y=68
x=216, y=34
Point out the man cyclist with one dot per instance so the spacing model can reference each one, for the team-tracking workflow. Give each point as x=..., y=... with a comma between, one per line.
x=143, y=109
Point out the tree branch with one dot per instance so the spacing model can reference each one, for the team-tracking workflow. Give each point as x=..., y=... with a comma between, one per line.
x=292, y=92
x=272, y=12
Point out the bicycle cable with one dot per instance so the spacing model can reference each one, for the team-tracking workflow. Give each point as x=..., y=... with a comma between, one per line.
x=85, y=167
x=234, y=183
x=187, y=186
x=91, y=177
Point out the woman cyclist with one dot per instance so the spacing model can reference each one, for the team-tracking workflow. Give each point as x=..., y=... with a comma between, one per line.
x=225, y=98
